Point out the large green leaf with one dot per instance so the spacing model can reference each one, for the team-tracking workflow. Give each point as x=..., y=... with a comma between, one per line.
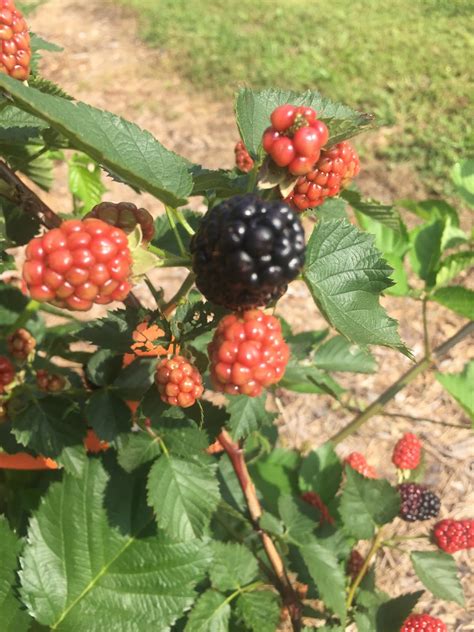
x=367, y=503
x=391, y=614
x=327, y=574
x=459, y=386
x=108, y=414
x=453, y=265
x=321, y=472
x=80, y=573
x=137, y=448
x=338, y=354
x=13, y=618
x=346, y=275
x=233, y=566
x=298, y=526
x=386, y=214
x=438, y=572
x=247, y=414
x=120, y=146
x=260, y=610
x=253, y=111
x=457, y=298
x=427, y=250
x=210, y=614
x=462, y=175
x=184, y=494
x=85, y=181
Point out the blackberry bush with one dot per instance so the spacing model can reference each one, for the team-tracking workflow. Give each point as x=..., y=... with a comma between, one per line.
x=142, y=482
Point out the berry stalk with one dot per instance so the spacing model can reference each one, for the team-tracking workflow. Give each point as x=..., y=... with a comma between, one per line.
x=376, y=544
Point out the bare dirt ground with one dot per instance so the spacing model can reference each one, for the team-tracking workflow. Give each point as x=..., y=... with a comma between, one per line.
x=105, y=64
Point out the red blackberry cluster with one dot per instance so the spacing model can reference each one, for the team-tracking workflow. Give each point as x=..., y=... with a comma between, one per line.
x=354, y=564
x=178, y=381
x=315, y=500
x=243, y=159
x=358, y=463
x=333, y=171
x=20, y=344
x=407, y=452
x=295, y=138
x=423, y=623
x=247, y=353
x=15, y=51
x=417, y=502
x=126, y=216
x=49, y=382
x=454, y=535
x=79, y=264
x=7, y=373
x=246, y=251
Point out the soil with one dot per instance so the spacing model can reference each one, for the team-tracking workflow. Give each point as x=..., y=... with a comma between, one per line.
x=106, y=64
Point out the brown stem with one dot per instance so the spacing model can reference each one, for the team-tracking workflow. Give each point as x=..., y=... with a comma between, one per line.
x=236, y=456
x=21, y=195
x=377, y=407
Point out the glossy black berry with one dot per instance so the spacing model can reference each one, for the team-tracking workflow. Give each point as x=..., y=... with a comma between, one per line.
x=246, y=251
x=418, y=502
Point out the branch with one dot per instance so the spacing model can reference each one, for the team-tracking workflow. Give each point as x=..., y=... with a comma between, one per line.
x=23, y=196
x=377, y=407
x=236, y=456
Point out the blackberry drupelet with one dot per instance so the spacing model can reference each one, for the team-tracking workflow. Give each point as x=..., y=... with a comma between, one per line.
x=246, y=251
x=418, y=502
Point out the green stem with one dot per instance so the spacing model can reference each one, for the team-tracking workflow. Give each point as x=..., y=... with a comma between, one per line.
x=253, y=175
x=184, y=222
x=426, y=338
x=28, y=312
x=180, y=294
x=170, y=215
x=240, y=591
x=377, y=407
x=54, y=311
x=376, y=544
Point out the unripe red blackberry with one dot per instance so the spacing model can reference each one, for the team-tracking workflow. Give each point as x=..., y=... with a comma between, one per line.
x=178, y=381
x=246, y=251
x=126, y=216
x=20, y=344
x=78, y=264
x=15, y=50
x=243, y=159
x=454, y=535
x=295, y=138
x=417, y=502
x=315, y=500
x=334, y=170
x=423, y=623
x=7, y=373
x=358, y=463
x=407, y=452
x=354, y=564
x=50, y=382
x=247, y=353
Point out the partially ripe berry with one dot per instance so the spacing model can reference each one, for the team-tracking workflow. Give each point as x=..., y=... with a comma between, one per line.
x=358, y=463
x=315, y=500
x=423, y=623
x=20, y=344
x=417, y=502
x=283, y=117
x=49, y=382
x=247, y=353
x=78, y=264
x=7, y=373
x=178, y=381
x=15, y=50
x=454, y=535
x=243, y=159
x=354, y=564
x=126, y=216
x=407, y=452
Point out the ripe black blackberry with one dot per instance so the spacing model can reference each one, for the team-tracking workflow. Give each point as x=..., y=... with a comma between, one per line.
x=418, y=502
x=246, y=251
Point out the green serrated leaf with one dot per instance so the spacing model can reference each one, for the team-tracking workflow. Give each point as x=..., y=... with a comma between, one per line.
x=367, y=503
x=112, y=332
x=346, y=275
x=260, y=610
x=327, y=574
x=184, y=494
x=299, y=527
x=107, y=414
x=276, y=474
x=438, y=572
x=210, y=614
x=302, y=344
x=385, y=214
x=462, y=175
x=306, y=378
x=338, y=354
x=85, y=181
x=457, y=298
x=253, y=109
x=21, y=157
x=427, y=250
x=321, y=472
x=122, y=147
x=332, y=208
x=82, y=574
x=233, y=566
x=135, y=449
x=391, y=614
x=13, y=617
x=103, y=367
x=135, y=379
x=459, y=386
x=247, y=414
x=452, y=266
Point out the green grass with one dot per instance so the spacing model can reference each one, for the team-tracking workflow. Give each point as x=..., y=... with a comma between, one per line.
x=409, y=62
